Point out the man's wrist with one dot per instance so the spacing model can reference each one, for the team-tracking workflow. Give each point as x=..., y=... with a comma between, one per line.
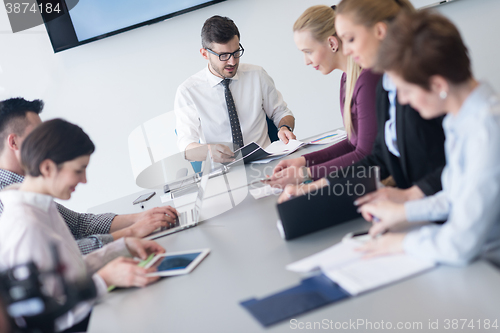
x=123, y=221
x=285, y=126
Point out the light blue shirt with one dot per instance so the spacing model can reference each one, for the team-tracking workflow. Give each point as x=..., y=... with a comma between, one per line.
x=470, y=199
x=391, y=137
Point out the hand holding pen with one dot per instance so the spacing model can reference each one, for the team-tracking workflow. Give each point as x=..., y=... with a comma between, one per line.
x=384, y=214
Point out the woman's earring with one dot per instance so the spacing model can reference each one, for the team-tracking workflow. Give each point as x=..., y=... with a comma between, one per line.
x=443, y=94
x=334, y=49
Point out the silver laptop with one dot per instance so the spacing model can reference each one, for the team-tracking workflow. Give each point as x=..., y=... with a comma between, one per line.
x=189, y=217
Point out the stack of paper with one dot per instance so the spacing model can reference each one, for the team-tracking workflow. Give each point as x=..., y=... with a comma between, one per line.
x=330, y=137
x=347, y=267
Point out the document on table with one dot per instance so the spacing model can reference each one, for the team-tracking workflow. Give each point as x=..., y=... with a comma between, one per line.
x=279, y=149
x=347, y=267
x=366, y=274
x=253, y=153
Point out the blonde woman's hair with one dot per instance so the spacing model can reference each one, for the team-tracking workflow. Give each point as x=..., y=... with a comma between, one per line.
x=320, y=22
x=353, y=72
x=370, y=12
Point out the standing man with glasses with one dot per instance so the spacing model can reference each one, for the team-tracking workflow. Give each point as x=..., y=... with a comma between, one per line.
x=228, y=101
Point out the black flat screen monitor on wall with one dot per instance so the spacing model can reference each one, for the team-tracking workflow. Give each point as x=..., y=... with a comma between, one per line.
x=85, y=21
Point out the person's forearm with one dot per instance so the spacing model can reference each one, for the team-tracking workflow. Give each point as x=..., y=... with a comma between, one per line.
x=288, y=121
x=120, y=226
x=125, y=232
x=196, y=152
x=122, y=221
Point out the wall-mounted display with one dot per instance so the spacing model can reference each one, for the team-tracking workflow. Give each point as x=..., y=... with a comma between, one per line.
x=81, y=22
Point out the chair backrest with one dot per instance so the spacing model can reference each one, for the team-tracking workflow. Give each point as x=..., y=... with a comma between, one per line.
x=152, y=141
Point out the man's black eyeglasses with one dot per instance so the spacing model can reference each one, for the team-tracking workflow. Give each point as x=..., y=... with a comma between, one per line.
x=227, y=56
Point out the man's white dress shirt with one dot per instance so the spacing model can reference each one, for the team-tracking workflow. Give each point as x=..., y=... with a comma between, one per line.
x=470, y=199
x=30, y=223
x=201, y=111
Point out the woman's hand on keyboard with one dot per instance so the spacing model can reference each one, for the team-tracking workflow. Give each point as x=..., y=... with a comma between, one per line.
x=153, y=219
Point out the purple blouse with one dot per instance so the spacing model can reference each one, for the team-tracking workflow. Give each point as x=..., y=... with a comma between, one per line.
x=364, y=129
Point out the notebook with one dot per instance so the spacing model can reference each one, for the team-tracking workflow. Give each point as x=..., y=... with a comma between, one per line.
x=355, y=274
x=327, y=207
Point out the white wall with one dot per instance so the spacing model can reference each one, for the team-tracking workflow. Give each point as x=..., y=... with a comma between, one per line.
x=111, y=86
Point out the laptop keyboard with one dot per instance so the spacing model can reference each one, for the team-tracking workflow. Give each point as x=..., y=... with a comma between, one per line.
x=182, y=219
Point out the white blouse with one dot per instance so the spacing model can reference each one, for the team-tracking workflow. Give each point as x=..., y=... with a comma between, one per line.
x=30, y=223
x=471, y=187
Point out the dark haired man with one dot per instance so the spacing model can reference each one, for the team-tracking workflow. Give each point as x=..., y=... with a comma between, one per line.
x=18, y=117
x=228, y=101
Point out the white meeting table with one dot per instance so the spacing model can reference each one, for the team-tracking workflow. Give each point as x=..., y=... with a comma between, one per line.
x=248, y=259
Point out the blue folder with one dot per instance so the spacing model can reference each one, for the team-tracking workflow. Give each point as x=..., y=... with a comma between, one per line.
x=312, y=293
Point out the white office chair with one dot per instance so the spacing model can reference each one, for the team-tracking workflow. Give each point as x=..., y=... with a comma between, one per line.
x=152, y=141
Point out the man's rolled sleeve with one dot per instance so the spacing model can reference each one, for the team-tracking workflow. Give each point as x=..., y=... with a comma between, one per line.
x=273, y=103
x=94, y=242
x=188, y=125
x=83, y=225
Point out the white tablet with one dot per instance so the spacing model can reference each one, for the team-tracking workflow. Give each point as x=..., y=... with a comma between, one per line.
x=177, y=263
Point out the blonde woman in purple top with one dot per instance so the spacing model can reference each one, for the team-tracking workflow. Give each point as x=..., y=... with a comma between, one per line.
x=315, y=36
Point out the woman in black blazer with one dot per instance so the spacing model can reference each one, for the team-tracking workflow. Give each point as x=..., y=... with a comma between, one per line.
x=420, y=143
x=421, y=148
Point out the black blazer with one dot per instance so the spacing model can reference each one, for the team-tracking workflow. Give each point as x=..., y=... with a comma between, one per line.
x=420, y=143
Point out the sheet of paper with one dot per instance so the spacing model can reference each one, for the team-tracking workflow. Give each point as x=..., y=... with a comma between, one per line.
x=366, y=274
x=346, y=266
x=335, y=256
x=330, y=137
x=265, y=191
